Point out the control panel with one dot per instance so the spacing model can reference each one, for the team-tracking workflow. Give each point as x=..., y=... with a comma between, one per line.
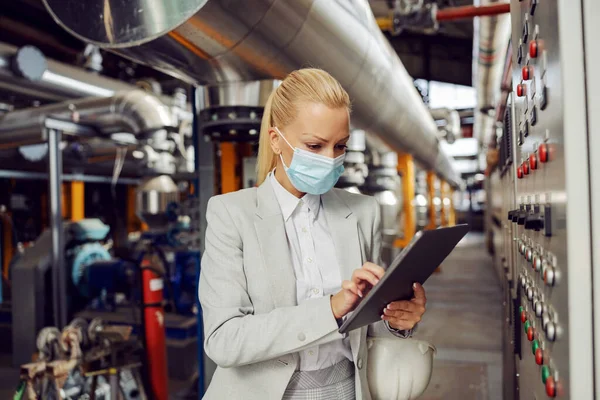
x=545, y=178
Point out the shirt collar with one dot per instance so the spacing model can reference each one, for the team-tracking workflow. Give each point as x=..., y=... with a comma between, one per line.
x=288, y=202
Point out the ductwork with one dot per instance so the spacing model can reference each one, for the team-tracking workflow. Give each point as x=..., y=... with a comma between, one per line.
x=136, y=112
x=491, y=36
x=27, y=72
x=216, y=41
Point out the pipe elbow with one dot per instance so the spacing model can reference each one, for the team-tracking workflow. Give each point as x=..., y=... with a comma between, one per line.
x=142, y=112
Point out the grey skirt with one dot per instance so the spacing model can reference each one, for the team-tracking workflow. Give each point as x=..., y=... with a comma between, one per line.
x=332, y=383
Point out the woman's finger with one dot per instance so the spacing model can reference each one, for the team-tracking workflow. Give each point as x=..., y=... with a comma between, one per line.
x=352, y=287
x=374, y=269
x=364, y=275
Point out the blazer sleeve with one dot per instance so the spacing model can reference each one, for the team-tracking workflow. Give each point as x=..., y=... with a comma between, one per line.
x=381, y=328
x=234, y=335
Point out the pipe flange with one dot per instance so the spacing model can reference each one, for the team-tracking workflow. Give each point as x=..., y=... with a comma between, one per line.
x=232, y=124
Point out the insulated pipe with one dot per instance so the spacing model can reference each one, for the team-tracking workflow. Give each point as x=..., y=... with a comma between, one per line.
x=134, y=112
x=58, y=81
x=216, y=41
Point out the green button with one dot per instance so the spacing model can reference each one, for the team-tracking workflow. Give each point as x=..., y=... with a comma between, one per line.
x=545, y=373
x=521, y=309
x=526, y=326
x=534, y=346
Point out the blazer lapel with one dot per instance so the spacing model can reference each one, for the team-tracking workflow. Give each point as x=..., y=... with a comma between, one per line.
x=344, y=232
x=270, y=230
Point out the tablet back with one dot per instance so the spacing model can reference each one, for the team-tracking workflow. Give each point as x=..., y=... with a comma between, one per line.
x=415, y=263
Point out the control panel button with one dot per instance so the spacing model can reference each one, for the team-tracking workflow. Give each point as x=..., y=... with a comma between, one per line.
x=533, y=162
x=539, y=356
x=521, y=90
x=525, y=168
x=523, y=316
x=533, y=49
x=545, y=374
x=520, y=173
x=529, y=254
x=543, y=152
x=551, y=331
x=537, y=263
x=530, y=293
x=531, y=335
x=551, y=276
x=545, y=320
x=526, y=326
x=540, y=308
x=550, y=387
x=526, y=72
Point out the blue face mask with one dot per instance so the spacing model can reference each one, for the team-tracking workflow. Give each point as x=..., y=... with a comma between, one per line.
x=312, y=173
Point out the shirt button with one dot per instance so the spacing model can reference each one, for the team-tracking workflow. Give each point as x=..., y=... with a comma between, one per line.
x=301, y=337
x=304, y=230
x=311, y=352
x=316, y=291
x=309, y=260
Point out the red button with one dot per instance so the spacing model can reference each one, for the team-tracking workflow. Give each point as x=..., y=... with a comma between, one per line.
x=543, y=152
x=539, y=356
x=526, y=72
x=550, y=387
x=533, y=49
x=526, y=168
x=520, y=172
x=520, y=90
x=533, y=161
x=530, y=334
x=523, y=316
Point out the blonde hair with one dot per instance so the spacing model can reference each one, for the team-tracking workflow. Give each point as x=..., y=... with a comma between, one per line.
x=309, y=85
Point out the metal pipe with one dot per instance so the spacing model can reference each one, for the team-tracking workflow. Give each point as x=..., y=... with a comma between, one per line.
x=465, y=12
x=214, y=41
x=134, y=112
x=58, y=82
x=59, y=279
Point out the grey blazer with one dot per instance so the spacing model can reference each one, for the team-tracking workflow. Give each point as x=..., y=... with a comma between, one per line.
x=253, y=327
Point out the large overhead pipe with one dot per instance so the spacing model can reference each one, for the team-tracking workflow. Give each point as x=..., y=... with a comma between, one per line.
x=216, y=41
x=136, y=112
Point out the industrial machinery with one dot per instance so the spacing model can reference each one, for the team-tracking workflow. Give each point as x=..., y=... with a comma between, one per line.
x=355, y=167
x=543, y=195
x=383, y=183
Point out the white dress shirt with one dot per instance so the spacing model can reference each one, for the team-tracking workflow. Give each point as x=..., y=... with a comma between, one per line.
x=315, y=265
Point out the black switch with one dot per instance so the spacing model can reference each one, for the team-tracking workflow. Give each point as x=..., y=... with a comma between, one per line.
x=526, y=130
x=533, y=5
x=534, y=221
x=522, y=217
x=533, y=115
x=547, y=221
x=525, y=32
x=510, y=215
x=544, y=97
x=519, y=54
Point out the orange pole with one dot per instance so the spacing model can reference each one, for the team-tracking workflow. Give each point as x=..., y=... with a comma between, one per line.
x=431, y=192
x=77, y=201
x=443, y=188
x=7, y=243
x=406, y=168
x=452, y=217
x=229, y=179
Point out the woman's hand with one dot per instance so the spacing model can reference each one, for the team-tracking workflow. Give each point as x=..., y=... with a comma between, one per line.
x=355, y=289
x=404, y=315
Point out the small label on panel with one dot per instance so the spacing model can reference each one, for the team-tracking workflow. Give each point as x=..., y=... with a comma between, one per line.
x=156, y=284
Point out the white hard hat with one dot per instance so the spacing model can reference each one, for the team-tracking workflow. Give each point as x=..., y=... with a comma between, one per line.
x=398, y=369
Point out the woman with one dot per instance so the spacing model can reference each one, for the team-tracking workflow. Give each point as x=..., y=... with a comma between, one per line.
x=284, y=263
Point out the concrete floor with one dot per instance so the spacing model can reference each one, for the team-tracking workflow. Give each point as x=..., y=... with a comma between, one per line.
x=463, y=321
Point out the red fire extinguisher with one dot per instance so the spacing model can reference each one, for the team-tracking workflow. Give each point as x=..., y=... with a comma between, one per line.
x=154, y=330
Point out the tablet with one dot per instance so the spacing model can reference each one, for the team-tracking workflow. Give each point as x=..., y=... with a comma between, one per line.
x=415, y=263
